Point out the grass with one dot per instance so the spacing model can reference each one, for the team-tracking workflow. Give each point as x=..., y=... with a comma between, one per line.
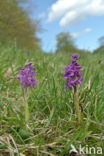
x=53, y=125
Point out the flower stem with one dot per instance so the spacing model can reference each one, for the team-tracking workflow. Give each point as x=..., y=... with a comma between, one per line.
x=76, y=100
x=26, y=106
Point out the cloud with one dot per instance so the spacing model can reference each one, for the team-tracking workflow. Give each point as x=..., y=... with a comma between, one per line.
x=77, y=34
x=72, y=12
x=42, y=15
x=87, y=30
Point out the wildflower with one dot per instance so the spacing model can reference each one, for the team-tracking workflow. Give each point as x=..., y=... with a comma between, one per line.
x=73, y=74
x=26, y=76
x=73, y=77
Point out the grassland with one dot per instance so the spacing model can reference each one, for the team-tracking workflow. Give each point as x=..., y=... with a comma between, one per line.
x=53, y=123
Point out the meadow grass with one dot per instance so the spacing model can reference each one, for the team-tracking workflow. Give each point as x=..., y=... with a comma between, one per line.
x=53, y=125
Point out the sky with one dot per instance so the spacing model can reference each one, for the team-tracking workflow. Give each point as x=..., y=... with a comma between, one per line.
x=83, y=19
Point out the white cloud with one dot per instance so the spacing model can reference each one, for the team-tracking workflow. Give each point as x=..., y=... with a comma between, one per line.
x=87, y=30
x=42, y=15
x=72, y=12
x=76, y=34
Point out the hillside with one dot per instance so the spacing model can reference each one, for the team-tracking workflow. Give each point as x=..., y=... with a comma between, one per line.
x=53, y=124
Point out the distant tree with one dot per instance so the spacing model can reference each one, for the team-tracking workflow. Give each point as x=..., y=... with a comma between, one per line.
x=65, y=42
x=100, y=49
x=16, y=26
x=101, y=41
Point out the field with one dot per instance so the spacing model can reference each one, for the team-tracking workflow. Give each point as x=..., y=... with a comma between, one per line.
x=53, y=124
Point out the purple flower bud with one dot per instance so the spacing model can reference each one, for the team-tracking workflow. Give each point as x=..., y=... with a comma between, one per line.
x=26, y=76
x=73, y=74
x=75, y=57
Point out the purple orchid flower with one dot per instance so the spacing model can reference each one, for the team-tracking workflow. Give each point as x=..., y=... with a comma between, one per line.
x=26, y=76
x=73, y=74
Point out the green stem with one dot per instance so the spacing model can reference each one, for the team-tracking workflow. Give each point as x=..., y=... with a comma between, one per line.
x=26, y=106
x=77, y=105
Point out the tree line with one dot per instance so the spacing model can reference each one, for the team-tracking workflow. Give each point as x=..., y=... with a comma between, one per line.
x=16, y=25
x=66, y=43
